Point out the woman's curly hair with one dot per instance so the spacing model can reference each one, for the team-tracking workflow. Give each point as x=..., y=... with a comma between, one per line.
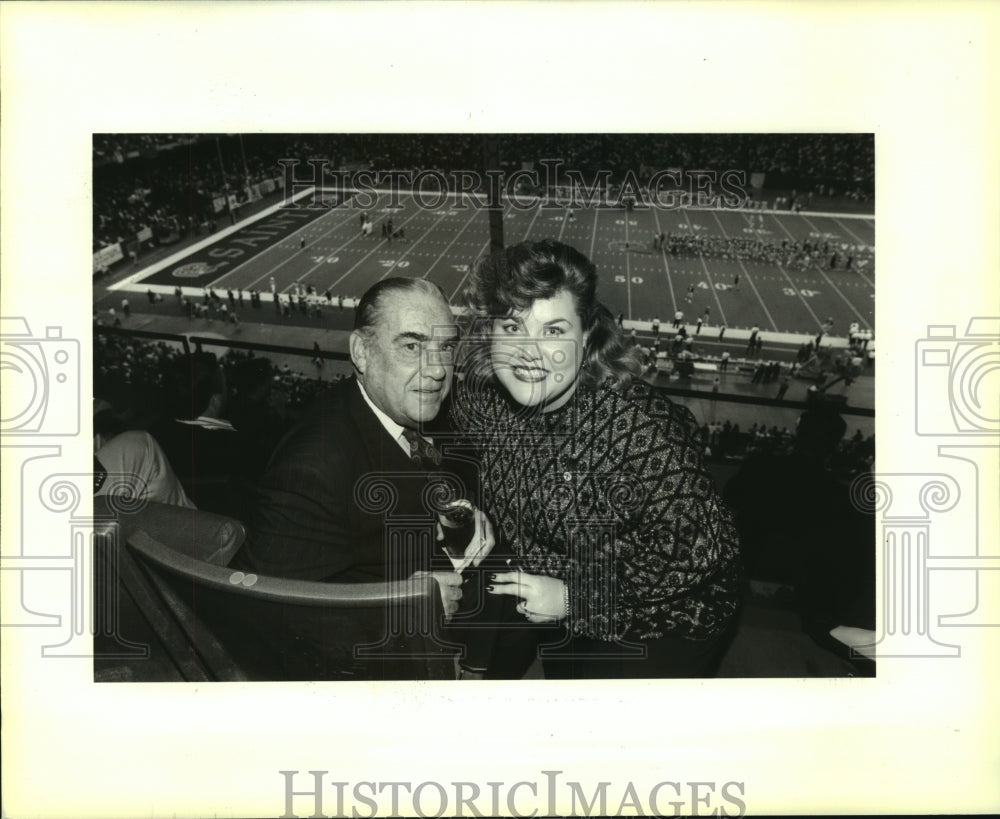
x=512, y=279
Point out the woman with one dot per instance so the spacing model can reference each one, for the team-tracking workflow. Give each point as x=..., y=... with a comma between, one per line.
x=593, y=478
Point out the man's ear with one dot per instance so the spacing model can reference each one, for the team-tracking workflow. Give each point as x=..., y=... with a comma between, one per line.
x=359, y=351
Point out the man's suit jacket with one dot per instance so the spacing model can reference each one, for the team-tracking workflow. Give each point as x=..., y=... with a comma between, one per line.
x=339, y=496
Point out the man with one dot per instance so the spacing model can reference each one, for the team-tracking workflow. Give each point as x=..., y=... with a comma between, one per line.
x=800, y=527
x=133, y=464
x=359, y=463
x=783, y=388
x=216, y=464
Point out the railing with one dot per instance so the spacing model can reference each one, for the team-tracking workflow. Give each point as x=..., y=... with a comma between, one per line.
x=192, y=342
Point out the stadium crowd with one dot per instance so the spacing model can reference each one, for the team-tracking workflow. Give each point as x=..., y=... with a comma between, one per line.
x=786, y=252
x=172, y=191
x=130, y=376
x=169, y=183
x=725, y=441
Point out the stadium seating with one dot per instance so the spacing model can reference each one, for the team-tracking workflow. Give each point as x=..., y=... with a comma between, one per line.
x=205, y=622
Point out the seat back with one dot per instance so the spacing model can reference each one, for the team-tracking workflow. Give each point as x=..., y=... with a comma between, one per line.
x=137, y=636
x=168, y=609
x=278, y=629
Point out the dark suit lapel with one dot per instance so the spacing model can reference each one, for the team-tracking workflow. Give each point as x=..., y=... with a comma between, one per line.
x=386, y=454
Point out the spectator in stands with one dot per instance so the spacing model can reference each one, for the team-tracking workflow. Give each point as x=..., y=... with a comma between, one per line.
x=551, y=387
x=215, y=463
x=133, y=464
x=783, y=387
x=799, y=528
x=251, y=411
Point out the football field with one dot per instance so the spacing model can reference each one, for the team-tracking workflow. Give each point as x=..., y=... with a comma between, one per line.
x=326, y=249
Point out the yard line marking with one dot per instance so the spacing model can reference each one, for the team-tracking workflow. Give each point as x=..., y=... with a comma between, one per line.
x=484, y=248
x=593, y=237
x=441, y=255
x=715, y=293
x=628, y=269
x=847, y=301
x=746, y=274
x=801, y=297
x=294, y=254
x=871, y=284
x=663, y=256
x=855, y=235
x=790, y=282
x=856, y=270
x=365, y=257
x=465, y=275
x=538, y=210
x=276, y=246
x=423, y=236
x=829, y=281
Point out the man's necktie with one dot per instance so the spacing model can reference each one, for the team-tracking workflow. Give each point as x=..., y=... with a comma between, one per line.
x=422, y=451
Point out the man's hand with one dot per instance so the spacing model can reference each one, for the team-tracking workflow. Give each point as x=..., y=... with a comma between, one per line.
x=543, y=598
x=450, y=586
x=480, y=544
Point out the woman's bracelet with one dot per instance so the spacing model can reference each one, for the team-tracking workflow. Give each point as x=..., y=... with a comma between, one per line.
x=566, y=599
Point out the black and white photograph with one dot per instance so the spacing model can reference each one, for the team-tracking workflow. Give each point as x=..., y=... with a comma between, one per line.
x=499, y=409
x=632, y=360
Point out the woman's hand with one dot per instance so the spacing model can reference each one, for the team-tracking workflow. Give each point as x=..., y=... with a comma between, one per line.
x=543, y=598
